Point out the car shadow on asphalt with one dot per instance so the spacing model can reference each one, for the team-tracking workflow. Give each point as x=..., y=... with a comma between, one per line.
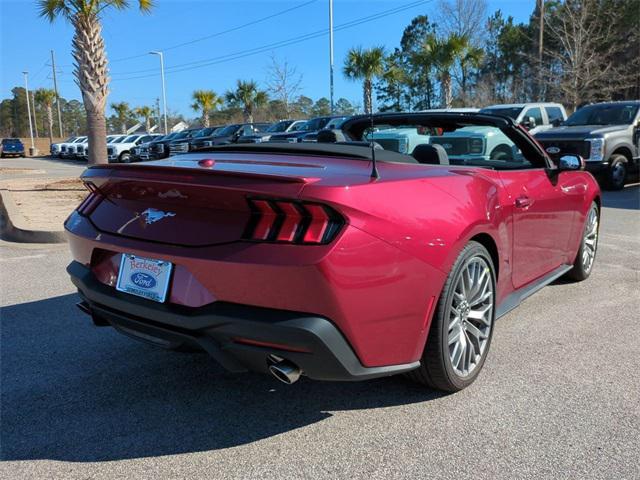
x=75, y=392
x=628, y=198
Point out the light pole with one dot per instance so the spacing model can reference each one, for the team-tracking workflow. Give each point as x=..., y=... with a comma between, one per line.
x=331, y=53
x=26, y=86
x=164, y=91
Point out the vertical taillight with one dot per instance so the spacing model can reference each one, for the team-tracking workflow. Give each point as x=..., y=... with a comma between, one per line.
x=92, y=200
x=289, y=221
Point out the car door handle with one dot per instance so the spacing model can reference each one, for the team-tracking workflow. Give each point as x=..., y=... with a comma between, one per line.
x=523, y=202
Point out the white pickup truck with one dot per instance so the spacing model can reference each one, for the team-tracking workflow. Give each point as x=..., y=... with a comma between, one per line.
x=119, y=150
x=535, y=117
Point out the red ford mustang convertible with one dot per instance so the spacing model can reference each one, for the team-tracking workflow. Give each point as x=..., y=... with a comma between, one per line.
x=338, y=260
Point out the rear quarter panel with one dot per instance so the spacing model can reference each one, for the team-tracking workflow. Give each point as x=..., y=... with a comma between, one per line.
x=431, y=218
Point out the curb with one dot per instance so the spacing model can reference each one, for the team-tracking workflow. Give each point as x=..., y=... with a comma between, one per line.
x=12, y=225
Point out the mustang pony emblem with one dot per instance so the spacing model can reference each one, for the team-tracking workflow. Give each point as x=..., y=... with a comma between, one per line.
x=151, y=215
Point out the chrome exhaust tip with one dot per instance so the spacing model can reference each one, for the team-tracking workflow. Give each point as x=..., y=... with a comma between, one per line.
x=284, y=370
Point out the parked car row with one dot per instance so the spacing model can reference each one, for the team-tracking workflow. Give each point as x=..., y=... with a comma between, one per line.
x=605, y=135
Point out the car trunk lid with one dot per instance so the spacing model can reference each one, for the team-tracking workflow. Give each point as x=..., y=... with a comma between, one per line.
x=192, y=201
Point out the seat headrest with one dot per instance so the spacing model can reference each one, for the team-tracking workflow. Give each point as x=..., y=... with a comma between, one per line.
x=433, y=154
x=331, y=136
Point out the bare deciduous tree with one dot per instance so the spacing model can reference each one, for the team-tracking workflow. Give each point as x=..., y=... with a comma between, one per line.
x=284, y=82
x=582, y=63
x=465, y=18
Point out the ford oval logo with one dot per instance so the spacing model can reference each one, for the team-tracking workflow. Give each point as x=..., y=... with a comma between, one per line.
x=447, y=146
x=552, y=150
x=143, y=280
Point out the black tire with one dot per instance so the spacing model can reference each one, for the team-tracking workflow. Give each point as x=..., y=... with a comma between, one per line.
x=580, y=270
x=124, y=157
x=616, y=173
x=501, y=152
x=436, y=370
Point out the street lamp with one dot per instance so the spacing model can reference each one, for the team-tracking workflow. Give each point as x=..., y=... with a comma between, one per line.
x=26, y=86
x=331, y=53
x=164, y=92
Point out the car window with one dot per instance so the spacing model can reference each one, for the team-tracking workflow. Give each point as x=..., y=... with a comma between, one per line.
x=534, y=112
x=554, y=113
x=480, y=146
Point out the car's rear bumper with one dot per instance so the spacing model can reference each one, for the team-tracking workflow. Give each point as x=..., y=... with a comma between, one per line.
x=239, y=337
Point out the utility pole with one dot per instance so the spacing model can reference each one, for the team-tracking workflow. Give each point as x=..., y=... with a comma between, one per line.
x=331, y=53
x=157, y=109
x=55, y=88
x=26, y=86
x=164, y=92
x=540, y=48
x=35, y=117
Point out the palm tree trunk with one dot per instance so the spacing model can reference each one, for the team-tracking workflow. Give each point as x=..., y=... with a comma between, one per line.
x=50, y=122
x=205, y=118
x=147, y=124
x=97, y=126
x=366, y=93
x=447, y=94
x=124, y=128
x=248, y=114
x=92, y=78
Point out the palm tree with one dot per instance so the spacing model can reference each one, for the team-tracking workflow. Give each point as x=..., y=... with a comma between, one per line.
x=122, y=112
x=205, y=101
x=46, y=98
x=443, y=55
x=248, y=97
x=145, y=113
x=90, y=60
x=395, y=77
x=364, y=64
x=471, y=58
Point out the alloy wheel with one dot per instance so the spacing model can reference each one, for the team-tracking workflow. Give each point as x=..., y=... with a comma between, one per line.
x=590, y=239
x=470, y=316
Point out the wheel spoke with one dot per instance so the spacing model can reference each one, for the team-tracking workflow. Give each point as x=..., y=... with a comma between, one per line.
x=481, y=314
x=474, y=331
x=454, y=335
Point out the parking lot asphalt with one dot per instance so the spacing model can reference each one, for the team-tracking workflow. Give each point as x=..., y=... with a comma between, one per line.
x=558, y=398
x=42, y=166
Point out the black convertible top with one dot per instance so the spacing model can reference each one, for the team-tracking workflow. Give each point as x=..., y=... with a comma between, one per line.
x=313, y=149
x=357, y=125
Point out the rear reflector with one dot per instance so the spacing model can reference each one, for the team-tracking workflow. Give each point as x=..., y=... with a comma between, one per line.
x=286, y=221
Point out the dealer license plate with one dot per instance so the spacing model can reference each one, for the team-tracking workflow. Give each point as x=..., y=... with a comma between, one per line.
x=144, y=277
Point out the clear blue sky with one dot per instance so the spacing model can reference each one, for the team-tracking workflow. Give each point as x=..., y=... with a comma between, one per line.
x=25, y=41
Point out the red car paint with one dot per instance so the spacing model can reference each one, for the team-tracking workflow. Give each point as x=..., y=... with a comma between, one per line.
x=378, y=280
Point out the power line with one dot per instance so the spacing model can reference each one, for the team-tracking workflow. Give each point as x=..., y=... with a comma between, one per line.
x=265, y=48
x=217, y=34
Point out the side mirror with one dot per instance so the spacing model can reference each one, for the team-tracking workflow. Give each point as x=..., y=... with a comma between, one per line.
x=528, y=123
x=556, y=122
x=570, y=162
